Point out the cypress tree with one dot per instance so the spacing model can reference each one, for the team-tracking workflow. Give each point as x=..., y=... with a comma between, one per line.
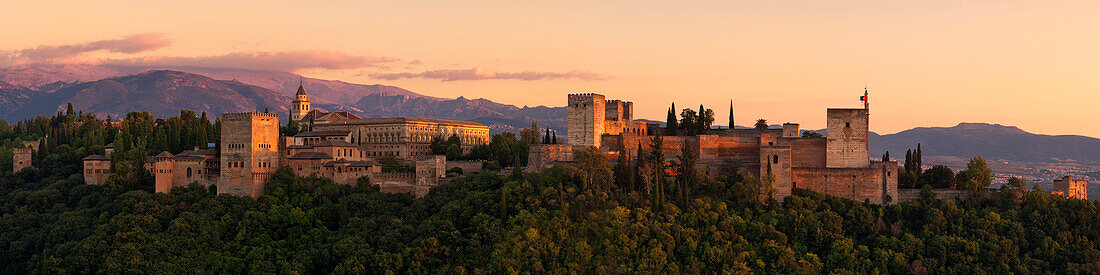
x=731, y=114
x=670, y=122
x=919, y=163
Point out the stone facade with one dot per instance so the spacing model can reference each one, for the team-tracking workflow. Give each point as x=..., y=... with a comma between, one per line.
x=542, y=156
x=403, y=137
x=96, y=169
x=21, y=158
x=1071, y=188
x=191, y=166
x=249, y=153
x=848, y=145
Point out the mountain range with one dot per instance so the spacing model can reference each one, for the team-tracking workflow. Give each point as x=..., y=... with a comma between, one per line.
x=26, y=91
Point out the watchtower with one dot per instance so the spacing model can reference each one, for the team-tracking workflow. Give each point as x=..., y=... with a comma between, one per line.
x=847, y=138
x=21, y=158
x=249, y=152
x=586, y=119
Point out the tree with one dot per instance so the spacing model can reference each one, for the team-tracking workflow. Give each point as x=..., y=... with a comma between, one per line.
x=688, y=119
x=546, y=137
x=454, y=146
x=438, y=146
x=69, y=109
x=1017, y=183
x=809, y=134
x=761, y=124
x=595, y=168
x=292, y=128
x=977, y=175
x=530, y=135
x=670, y=122
x=731, y=126
x=706, y=119
x=939, y=176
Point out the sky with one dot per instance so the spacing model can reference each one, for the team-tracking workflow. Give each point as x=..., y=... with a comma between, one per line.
x=1031, y=64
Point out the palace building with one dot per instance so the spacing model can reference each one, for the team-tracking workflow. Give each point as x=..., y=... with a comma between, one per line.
x=406, y=138
x=838, y=164
x=339, y=146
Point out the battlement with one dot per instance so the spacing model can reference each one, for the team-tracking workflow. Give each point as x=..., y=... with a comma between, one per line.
x=18, y=151
x=578, y=97
x=247, y=115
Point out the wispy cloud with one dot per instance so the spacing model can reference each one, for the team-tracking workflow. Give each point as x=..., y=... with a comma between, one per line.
x=128, y=45
x=268, y=61
x=479, y=74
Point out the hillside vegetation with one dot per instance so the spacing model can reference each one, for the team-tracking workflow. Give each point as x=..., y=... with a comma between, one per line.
x=587, y=219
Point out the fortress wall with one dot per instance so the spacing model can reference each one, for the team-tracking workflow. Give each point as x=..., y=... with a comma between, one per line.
x=853, y=183
x=467, y=166
x=807, y=152
x=776, y=160
x=542, y=156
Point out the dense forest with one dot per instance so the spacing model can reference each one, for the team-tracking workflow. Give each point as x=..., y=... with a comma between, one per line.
x=597, y=217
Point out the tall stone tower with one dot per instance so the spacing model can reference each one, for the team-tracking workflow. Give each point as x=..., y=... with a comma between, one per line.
x=847, y=138
x=586, y=119
x=249, y=152
x=300, y=106
x=21, y=158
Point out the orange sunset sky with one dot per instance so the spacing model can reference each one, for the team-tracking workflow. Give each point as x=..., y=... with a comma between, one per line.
x=1031, y=64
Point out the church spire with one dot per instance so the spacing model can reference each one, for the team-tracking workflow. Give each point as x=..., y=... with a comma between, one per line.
x=301, y=88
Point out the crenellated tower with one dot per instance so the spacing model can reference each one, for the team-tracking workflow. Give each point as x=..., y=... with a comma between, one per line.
x=249, y=152
x=586, y=119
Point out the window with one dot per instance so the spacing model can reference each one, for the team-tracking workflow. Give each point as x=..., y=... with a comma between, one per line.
x=775, y=159
x=847, y=125
x=188, y=172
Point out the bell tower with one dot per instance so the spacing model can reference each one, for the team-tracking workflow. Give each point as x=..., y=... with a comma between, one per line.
x=300, y=105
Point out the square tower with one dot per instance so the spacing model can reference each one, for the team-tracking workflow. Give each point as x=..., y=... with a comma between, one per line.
x=249, y=152
x=847, y=138
x=1071, y=188
x=586, y=119
x=21, y=158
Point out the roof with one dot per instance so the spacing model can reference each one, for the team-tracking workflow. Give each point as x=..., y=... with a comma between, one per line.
x=298, y=146
x=323, y=133
x=197, y=152
x=301, y=90
x=401, y=120
x=311, y=155
x=318, y=115
x=110, y=145
x=334, y=143
x=164, y=154
x=96, y=157
x=350, y=163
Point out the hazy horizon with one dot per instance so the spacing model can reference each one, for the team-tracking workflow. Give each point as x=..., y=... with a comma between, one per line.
x=926, y=64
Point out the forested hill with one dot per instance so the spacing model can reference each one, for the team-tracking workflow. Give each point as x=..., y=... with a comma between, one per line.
x=595, y=218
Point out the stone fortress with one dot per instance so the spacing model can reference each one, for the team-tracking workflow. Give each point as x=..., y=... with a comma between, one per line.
x=838, y=164
x=339, y=146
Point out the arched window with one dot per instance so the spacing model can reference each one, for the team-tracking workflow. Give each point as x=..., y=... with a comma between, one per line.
x=775, y=159
x=188, y=172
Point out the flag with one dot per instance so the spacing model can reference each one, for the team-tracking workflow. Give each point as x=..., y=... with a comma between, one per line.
x=862, y=98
